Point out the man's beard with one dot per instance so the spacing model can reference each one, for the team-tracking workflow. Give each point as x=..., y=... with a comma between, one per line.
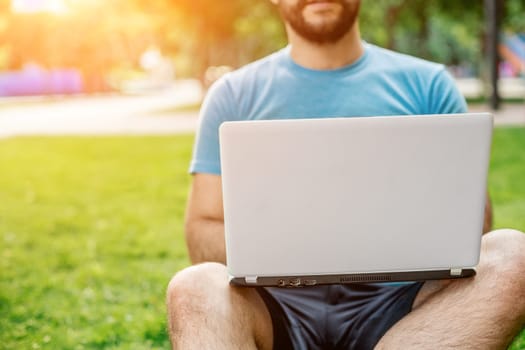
x=327, y=33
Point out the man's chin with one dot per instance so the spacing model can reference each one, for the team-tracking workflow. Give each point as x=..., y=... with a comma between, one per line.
x=321, y=24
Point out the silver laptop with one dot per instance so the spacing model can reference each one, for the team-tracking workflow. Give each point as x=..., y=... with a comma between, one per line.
x=343, y=200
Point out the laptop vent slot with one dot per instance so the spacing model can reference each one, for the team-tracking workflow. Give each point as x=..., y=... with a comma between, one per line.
x=365, y=278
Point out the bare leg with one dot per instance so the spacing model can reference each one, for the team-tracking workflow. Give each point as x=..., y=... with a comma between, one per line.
x=484, y=312
x=205, y=312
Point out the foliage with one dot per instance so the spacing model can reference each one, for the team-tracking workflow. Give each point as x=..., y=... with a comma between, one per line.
x=230, y=35
x=91, y=232
x=513, y=19
x=441, y=30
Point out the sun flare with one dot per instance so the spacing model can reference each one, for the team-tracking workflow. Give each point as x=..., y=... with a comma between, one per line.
x=34, y=6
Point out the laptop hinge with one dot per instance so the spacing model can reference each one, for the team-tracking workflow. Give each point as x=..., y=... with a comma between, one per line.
x=251, y=279
x=455, y=272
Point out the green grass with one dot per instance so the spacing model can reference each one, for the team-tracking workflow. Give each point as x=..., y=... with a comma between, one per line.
x=91, y=232
x=485, y=100
x=507, y=177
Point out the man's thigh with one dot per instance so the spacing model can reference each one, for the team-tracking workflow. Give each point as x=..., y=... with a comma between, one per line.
x=482, y=312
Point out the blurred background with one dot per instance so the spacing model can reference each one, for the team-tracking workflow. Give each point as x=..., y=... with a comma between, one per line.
x=92, y=46
x=99, y=104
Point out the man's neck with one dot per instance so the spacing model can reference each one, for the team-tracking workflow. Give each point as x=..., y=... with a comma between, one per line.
x=326, y=56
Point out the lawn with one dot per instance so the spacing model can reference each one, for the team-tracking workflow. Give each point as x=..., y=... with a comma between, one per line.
x=91, y=232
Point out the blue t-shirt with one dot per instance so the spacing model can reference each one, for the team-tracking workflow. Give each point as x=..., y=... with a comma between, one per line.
x=380, y=82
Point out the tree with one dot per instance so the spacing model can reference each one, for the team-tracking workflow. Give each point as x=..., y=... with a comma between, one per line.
x=446, y=31
x=231, y=34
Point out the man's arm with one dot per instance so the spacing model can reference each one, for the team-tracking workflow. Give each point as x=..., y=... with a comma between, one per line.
x=204, y=225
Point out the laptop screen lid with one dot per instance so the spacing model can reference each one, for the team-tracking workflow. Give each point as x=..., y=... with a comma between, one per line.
x=351, y=196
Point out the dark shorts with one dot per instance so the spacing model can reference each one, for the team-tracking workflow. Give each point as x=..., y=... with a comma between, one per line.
x=351, y=316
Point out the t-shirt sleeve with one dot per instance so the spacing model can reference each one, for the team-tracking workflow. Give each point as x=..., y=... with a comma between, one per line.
x=444, y=95
x=218, y=106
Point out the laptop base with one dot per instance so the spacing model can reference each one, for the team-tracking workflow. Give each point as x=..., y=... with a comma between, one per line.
x=313, y=280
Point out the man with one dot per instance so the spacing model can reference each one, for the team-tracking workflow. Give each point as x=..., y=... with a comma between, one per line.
x=328, y=71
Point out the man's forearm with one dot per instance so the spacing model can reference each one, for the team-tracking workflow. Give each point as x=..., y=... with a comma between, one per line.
x=205, y=240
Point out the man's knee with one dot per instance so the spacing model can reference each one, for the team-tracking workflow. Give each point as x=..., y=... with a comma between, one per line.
x=505, y=257
x=192, y=284
x=505, y=246
x=202, y=293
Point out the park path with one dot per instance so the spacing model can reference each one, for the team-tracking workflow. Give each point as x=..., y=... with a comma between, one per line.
x=509, y=114
x=153, y=113
x=136, y=114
